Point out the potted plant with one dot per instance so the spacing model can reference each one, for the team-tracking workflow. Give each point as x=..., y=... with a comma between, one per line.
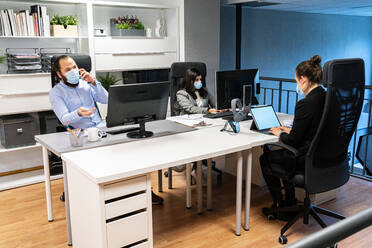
x=65, y=26
x=107, y=80
x=127, y=26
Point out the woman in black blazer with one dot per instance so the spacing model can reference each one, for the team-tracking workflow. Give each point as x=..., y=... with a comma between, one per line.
x=308, y=112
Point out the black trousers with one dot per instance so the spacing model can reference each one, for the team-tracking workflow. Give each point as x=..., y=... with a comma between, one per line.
x=279, y=163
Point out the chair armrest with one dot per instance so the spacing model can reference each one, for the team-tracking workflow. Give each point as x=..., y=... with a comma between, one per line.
x=281, y=145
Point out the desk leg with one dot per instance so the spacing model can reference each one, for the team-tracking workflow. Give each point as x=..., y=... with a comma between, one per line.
x=160, y=181
x=67, y=205
x=170, y=186
x=239, y=179
x=248, y=180
x=47, y=184
x=199, y=185
x=209, y=184
x=188, y=185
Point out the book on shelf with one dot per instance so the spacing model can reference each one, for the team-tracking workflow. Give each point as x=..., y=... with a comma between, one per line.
x=33, y=22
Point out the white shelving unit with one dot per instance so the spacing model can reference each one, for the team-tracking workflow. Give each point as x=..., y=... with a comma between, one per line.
x=25, y=93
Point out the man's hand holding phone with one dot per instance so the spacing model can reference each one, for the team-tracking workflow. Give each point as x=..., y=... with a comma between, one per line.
x=86, y=76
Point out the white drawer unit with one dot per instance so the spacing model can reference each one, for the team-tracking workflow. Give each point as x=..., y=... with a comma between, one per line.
x=114, y=214
x=109, y=45
x=125, y=206
x=126, y=210
x=134, y=61
x=127, y=230
x=23, y=93
x=123, y=188
x=20, y=84
x=25, y=103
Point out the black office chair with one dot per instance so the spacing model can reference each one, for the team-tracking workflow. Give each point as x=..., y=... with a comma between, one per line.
x=326, y=162
x=364, y=152
x=177, y=73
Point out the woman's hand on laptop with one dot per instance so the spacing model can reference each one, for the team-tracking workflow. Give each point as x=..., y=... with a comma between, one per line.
x=276, y=131
x=285, y=129
x=214, y=111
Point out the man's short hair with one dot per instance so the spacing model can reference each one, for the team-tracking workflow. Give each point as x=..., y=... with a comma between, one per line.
x=56, y=65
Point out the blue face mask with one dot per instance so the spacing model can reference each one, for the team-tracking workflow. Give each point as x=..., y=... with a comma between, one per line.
x=299, y=90
x=198, y=85
x=73, y=76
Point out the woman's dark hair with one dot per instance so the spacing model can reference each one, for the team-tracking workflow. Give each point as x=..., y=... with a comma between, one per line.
x=188, y=83
x=311, y=69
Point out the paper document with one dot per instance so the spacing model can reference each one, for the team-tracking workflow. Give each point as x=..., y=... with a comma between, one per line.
x=190, y=120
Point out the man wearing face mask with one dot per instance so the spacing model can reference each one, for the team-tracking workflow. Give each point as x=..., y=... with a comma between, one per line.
x=73, y=98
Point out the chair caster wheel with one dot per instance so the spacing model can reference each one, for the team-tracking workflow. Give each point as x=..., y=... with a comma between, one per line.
x=166, y=174
x=271, y=217
x=332, y=246
x=283, y=240
x=62, y=197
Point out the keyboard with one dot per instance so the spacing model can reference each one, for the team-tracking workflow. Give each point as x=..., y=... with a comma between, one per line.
x=219, y=115
x=246, y=118
x=123, y=130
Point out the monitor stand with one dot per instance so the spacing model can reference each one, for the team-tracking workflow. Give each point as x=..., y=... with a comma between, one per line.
x=142, y=133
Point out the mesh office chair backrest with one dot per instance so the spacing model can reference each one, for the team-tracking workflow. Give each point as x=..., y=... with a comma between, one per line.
x=177, y=73
x=81, y=60
x=364, y=152
x=326, y=161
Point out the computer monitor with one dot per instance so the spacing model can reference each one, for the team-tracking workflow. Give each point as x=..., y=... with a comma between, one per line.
x=137, y=104
x=229, y=85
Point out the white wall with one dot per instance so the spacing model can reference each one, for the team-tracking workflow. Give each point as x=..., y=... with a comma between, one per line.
x=202, y=35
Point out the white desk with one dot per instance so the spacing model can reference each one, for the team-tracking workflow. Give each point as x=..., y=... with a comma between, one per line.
x=59, y=143
x=91, y=171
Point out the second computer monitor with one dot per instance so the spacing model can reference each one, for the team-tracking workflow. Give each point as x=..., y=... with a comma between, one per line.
x=131, y=103
x=230, y=85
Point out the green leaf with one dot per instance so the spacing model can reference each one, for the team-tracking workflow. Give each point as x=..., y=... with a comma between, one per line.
x=107, y=80
x=64, y=20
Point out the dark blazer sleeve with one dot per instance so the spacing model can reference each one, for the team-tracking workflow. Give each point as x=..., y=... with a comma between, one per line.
x=301, y=124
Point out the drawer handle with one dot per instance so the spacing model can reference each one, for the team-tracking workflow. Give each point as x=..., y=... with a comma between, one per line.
x=19, y=130
x=126, y=215
x=125, y=196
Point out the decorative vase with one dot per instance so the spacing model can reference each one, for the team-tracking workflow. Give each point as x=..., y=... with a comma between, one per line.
x=160, y=30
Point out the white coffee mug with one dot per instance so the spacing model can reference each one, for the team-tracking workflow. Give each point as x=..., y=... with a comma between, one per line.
x=94, y=134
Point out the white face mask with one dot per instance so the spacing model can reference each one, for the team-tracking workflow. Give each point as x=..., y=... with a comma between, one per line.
x=299, y=90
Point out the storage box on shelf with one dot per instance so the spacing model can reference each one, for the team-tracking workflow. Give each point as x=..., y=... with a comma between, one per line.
x=61, y=31
x=48, y=122
x=17, y=130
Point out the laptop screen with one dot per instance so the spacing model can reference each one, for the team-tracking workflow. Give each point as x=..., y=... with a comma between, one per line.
x=265, y=117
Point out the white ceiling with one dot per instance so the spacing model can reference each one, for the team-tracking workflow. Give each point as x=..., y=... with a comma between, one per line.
x=341, y=7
